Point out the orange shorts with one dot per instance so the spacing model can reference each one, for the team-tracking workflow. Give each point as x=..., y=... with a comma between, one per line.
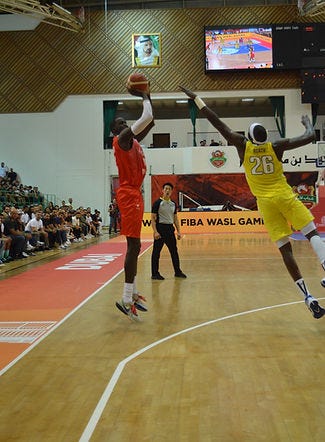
x=131, y=207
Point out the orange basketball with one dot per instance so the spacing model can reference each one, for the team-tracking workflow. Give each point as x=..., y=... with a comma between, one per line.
x=138, y=82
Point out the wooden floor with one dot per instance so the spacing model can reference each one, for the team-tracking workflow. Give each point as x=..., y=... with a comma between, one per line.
x=229, y=354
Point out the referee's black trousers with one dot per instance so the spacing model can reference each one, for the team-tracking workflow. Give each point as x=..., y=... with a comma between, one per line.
x=167, y=236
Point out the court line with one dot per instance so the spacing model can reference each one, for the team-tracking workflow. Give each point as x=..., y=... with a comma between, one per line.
x=93, y=421
x=24, y=353
x=59, y=323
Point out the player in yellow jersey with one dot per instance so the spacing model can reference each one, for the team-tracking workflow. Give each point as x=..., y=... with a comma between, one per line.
x=276, y=201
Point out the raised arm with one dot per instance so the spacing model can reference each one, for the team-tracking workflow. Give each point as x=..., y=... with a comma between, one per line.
x=233, y=138
x=141, y=127
x=292, y=143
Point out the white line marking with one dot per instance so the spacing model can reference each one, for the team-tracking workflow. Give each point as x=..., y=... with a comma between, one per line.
x=6, y=368
x=93, y=421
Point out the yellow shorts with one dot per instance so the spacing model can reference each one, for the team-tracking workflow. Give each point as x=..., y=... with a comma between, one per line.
x=281, y=213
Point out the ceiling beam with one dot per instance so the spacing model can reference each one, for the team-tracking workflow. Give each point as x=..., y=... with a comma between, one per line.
x=52, y=14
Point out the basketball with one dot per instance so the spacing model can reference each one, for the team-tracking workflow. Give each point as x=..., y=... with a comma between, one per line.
x=138, y=82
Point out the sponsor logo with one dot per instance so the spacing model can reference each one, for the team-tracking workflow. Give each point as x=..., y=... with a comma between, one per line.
x=218, y=158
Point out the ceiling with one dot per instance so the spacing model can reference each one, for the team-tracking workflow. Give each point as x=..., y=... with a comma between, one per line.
x=164, y=108
x=168, y=4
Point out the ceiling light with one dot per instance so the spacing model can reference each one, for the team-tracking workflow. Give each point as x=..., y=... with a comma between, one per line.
x=181, y=101
x=248, y=99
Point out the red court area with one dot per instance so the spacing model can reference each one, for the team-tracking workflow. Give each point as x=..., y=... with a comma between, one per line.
x=32, y=303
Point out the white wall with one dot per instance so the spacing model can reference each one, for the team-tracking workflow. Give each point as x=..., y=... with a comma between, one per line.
x=62, y=152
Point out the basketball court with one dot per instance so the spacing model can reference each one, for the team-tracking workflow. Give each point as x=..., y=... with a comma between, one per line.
x=229, y=354
x=229, y=52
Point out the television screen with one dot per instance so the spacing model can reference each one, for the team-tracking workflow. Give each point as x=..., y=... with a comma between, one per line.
x=238, y=48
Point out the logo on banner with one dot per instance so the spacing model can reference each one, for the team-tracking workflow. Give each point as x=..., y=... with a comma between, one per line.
x=306, y=194
x=218, y=158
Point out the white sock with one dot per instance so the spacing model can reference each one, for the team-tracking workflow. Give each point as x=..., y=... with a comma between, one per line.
x=302, y=288
x=127, y=293
x=319, y=248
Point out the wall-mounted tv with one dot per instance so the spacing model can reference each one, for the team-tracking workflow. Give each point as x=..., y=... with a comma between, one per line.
x=277, y=46
x=238, y=48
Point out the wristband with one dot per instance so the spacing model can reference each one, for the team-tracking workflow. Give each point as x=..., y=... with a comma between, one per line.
x=199, y=102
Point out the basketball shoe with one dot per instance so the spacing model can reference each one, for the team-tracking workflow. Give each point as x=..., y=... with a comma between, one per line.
x=128, y=309
x=139, y=302
x=314, y=307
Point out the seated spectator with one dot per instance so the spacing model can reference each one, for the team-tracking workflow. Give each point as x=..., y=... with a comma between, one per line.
x=5, y=243
x=3, y=196
x=26, y=215
x=91, y=225
x=100, y=222
x=39, y=238
x=83, y=222
x=50, y=206
x=51, y=230
x=77, y=226
x=6, y=211
x=14, y=229
x=59, y=223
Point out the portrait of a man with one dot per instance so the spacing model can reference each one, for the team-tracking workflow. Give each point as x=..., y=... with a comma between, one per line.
x=146, y=50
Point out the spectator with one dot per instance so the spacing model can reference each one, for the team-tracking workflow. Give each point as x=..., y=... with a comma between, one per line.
x=58, y=223
x=83, y=222
x=36, y=228
x=76, y=226
x=100, y=222
x=26, y=215
x=38, y=197
x=113, y=216
x=5, y=243
x=3, y=171
x=89, y=221
x=14, y=229
x=51, y=231
x=50, y=206
x=12, y=176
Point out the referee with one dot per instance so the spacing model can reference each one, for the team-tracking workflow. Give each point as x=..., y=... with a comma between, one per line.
x=164, y=220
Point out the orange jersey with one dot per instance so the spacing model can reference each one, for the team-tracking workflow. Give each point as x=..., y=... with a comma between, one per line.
x=131, y=164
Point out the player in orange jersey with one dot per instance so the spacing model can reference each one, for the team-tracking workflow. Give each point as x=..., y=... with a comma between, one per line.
x=131, y=166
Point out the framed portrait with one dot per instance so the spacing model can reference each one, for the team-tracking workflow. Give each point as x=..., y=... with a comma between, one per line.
x=146, y=50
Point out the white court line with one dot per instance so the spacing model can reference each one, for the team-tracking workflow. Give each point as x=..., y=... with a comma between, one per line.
x=93, y=421
x=13, y=362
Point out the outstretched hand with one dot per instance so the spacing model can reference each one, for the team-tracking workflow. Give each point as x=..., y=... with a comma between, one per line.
x=305, y=120
x=188, y=92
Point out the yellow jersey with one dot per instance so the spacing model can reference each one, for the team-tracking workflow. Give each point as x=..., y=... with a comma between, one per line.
x=264, y=172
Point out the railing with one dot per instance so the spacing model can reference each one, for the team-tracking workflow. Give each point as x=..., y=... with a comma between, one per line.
x=19, y=201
